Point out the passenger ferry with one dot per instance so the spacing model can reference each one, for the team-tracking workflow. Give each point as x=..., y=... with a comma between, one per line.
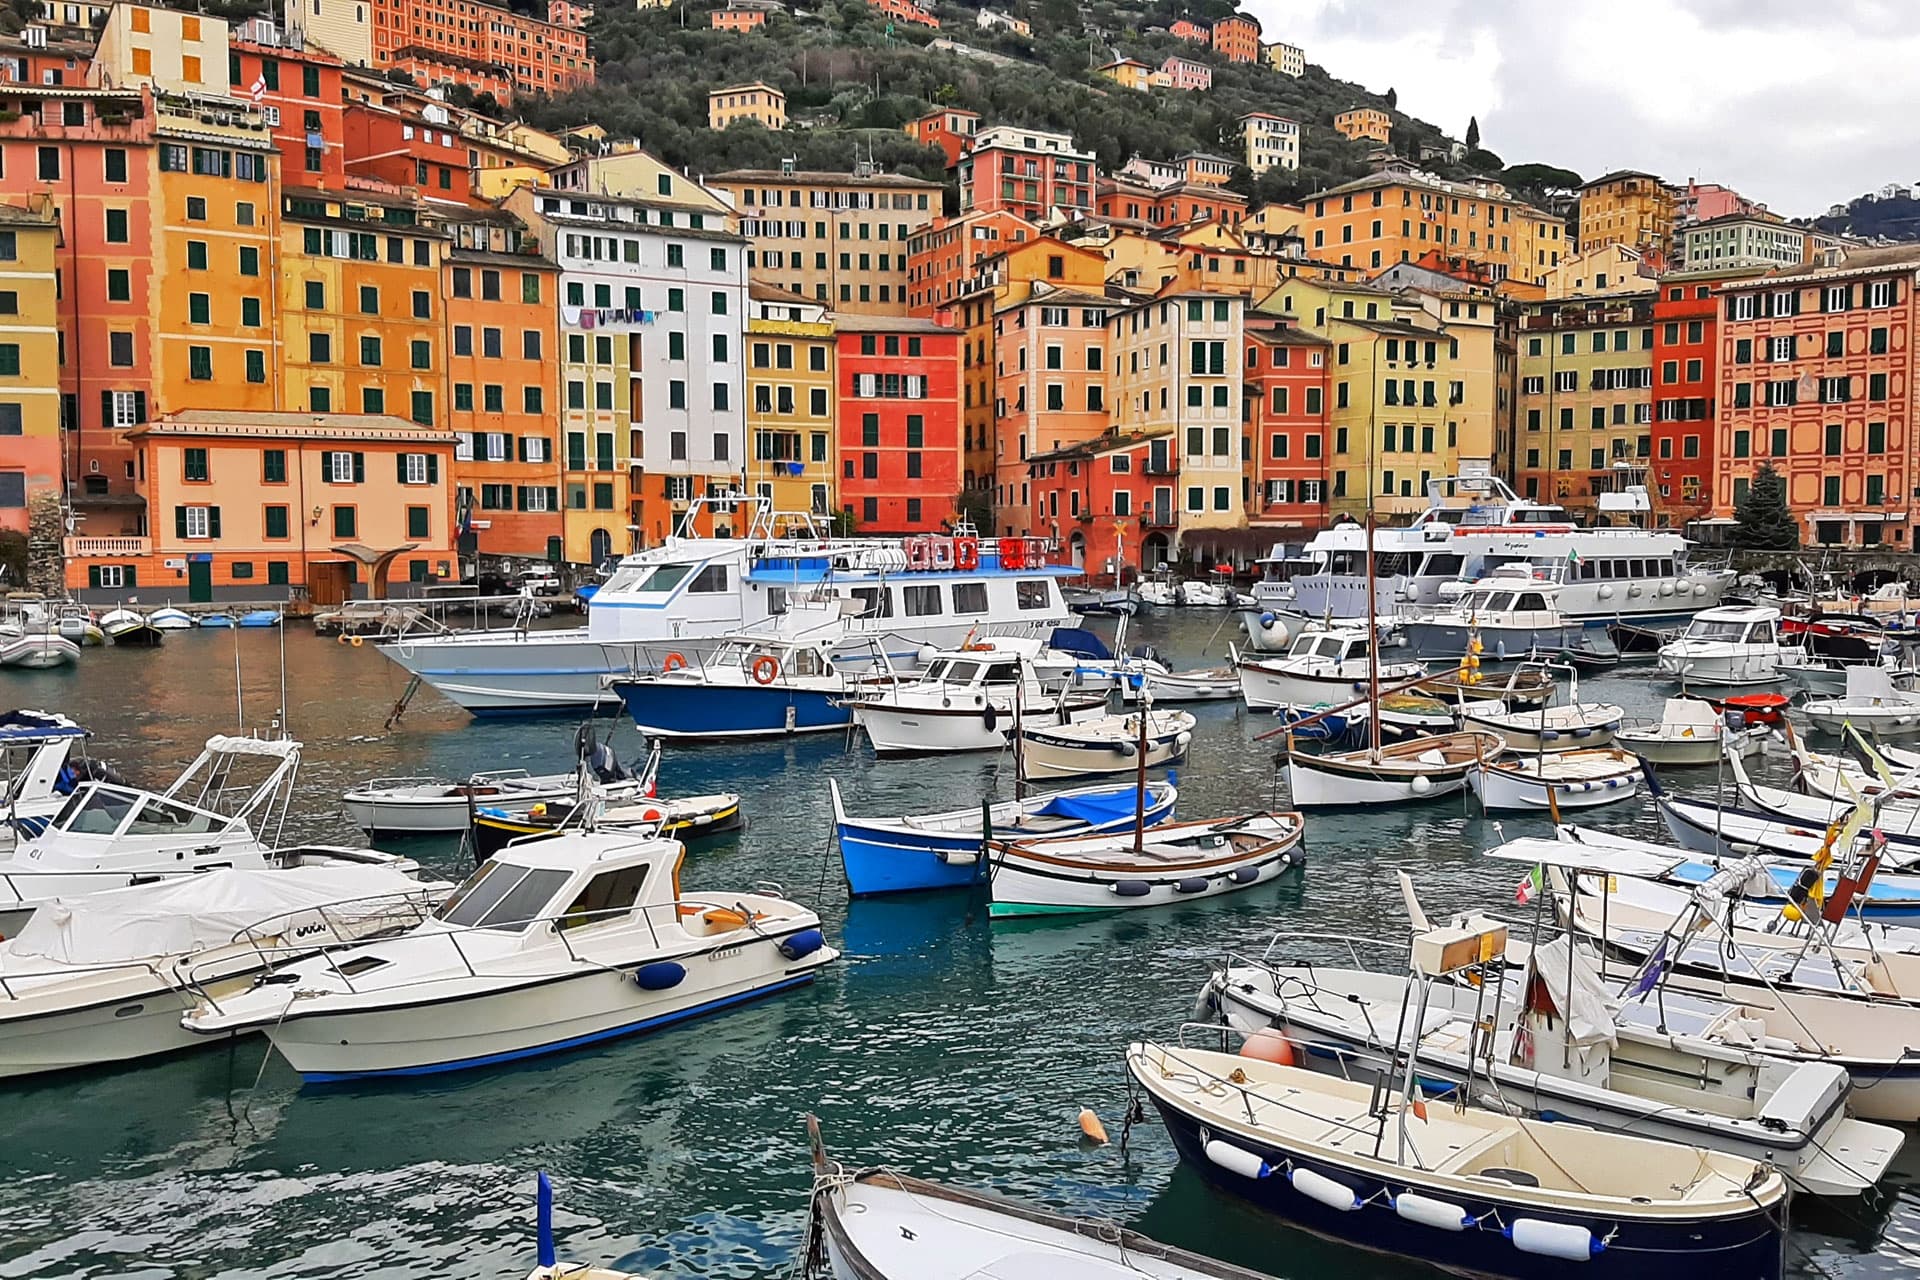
x=1472, y=527
x=671, y=605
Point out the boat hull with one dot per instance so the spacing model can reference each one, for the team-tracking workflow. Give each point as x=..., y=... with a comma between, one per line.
x=1506, y=789
x=137, y=1023
x=1029, y=885
x=1267, y=690
x=689, y=710
x=1722, y=670
x=1045, y=754
x=921, y=730
x=1314, y=784
x=1741, y=1246
x=1449, y=640
x=494, y=830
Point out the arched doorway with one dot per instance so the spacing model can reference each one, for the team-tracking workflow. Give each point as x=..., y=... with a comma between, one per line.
x=1154, y=552
x=599, y=546
x=1077, y=549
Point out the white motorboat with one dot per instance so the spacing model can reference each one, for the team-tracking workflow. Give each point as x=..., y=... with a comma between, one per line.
x=1174, y=862
x=1208, y=684
x=1729, y=646
x=418, y=806
x=227, y=809
x=38, y=651
x=881, y=1225
x=105, y=978
x=131, y=628
x=1871, y=704
x=41, y=762
x=1412, y=769
x=1569, y=726
x=1690, y=731
x=1513, y=614
x=1322, y=667
x=549, y=945
x=170, y=619
x=1583, y=779
x=1103, y=744
x=1560, y=1046
x=967, y=700
x=77, y=624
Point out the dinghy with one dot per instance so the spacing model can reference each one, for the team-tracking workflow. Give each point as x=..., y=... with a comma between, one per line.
x=1569, y=726
x=215, y=621
x=38, y=651
x=1524, y=686
x=1871, y=704
x=1105, y=744
x=1727, y=646
x=548, y=946
x=942, y=850
x=1689, y=733
x=1640, y=641
x=1566, y=779
x=259, y=618
x=1206, y=684
x=876, y=1224
x=126, y=627
x=170, y=619
x=1174, y=862
x=683, y=818
x=1470, y=1191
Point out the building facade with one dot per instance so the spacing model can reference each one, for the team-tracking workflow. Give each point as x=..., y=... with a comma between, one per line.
x=1741, y=241
x=1686, y=371
x=30, y=445
x=1026, y=171
x=950, y=128
x=1365, y=124
x=1287, y=381
x=759, y=102
x=898, y=384
x=1269, y=142
x=1187, y=75
x=1050, y=385
x=1630, y=208
x=1585, y=422
x=792, y=458
x=1287, y=59
x=1237, y=38
x=1400, y=216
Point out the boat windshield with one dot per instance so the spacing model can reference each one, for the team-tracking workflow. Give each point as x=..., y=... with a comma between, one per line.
x=1717, y=629
x=626, y=578
x=502, y=896
x=159, y=817
x=96, y=811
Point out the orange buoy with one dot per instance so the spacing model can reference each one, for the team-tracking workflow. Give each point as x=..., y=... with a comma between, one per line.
x=1268, y=1045
x=1090, y=1126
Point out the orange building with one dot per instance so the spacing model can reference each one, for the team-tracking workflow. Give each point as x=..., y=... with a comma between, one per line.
x=1399, y=216
x=430, y=69
x=905, y=11
x=1050, y=352
x=502, y=300
x=1629, y=208
x=943, y=255
x=949, y=128
x=403, y=149
x=259, y=506
x=1190, y=31
x=898, y=416
x=731, y=19
x=300, y=99
x=1237, y=38
x=1365, y=124
x=565, y=13
x=540, y=56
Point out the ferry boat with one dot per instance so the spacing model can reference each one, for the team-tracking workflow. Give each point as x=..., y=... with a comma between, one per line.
x=1473, y=525
x=678, y=600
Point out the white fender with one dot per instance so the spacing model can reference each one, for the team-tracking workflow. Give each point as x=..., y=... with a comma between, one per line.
x=1314, y=1186
x=1237, y=1159
x=1431, y=1213
x=1561, y=1240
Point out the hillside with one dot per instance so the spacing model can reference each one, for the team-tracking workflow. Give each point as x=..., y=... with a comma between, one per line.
x=1877, y=216
x=852, y=85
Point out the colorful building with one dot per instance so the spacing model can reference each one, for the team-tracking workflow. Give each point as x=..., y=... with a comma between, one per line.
x=30, y=442
x=1114, y=498
x=301, y=101
x=1050, y=383
x=143, y=45
x=1286, y=390
x=1399, y=216
x=1190, y=31
x=1630, y=208
x=738, y=18
x=839, y=239
x=566, y=13
x=1028, y=171
x=1129, y=73
x=405, y=149
x=898, y=416
x=1603, y=271
x=1585, y=410
x=1816, y=380
x=1269, y=141
x=269, y=506
x=905, y=11
x=1365, y=124
x=1741, y=241
x=1287, y=59
x=791, y=460
x=949, y=128
x=1237, y=38
x=943, y=256
x=1187, y=75
x=759, y=102
x=1686, y=371
x=539, y=56
x=1204, y=169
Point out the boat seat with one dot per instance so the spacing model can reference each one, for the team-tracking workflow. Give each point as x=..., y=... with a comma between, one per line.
x=1513, y=1177
x=1041, y=822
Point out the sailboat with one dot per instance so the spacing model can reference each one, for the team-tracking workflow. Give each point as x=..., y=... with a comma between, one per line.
x=1417, y=769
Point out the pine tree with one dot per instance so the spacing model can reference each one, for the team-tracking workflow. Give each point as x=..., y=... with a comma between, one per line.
x=1473, y=133
x=1763, y=521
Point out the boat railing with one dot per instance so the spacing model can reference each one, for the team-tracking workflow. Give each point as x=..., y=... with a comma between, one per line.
x=1238, y=1083
x=402, y=780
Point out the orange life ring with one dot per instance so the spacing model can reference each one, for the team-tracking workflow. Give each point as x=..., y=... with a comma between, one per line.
x=966, y=554
x=674, y=662
x=766, y=669
x=343, y=638
x=1012, y=553
x=357, y=642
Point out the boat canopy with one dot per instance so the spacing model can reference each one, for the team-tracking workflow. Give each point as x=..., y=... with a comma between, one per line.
x=36, y=726
x=236, y=745
x=1097, y=808
x=1081, y=643
x=1574, y=987
x=1641, y=864
x=191, y=913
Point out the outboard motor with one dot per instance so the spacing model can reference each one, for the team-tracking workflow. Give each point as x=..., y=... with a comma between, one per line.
x=1147, y=653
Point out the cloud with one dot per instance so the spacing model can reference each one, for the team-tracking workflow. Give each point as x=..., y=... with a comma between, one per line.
x=1798, y=105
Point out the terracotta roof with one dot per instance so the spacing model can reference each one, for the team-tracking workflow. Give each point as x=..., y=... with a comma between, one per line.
x=889, y=324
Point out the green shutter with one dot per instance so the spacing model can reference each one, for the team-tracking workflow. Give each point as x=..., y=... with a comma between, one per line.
x=401, y=460
x=179, y=522
x=326, y=466
x=93, y=576
x=433, y=468
x=213, y=522
x=359, y=468
x=129, y=576
x=553, y=504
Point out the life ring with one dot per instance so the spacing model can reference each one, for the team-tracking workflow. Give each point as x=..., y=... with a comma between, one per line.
x=919, y=553
x=943, y=555
x=1012, y=553
x=344, y=637
x=966, y=554
x=356, y=642
x=766, y=669
x=674, y=662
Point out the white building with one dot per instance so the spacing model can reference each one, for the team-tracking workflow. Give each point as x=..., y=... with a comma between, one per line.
x=1287, y=59
x=1269, y=141
x=992, y=20
x=1741, y=240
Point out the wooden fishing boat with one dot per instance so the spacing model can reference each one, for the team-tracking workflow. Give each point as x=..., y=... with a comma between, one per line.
x=1175, y=862
x=1689, y=732
x=1521, y=687
x=685, y=818
x=1569, y=727
x=1639, y=640
x=1573, y=780
x=1414, y=769
x=1103, y=745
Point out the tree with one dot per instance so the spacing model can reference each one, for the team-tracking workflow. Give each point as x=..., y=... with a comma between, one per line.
x=1481, y=160
x=1763, y=522
x=1393, y=99
x=1473, y=133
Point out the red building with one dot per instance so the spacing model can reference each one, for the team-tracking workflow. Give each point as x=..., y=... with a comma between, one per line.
x=738, y=19
x=1816, y=378
x=565, y=13
x=1285, y=414
x=539, y=56
x=950, y=128
x=1192, y=32
x=1110, y=498
x=1028, y=171
x=301, y=98
x=942, y=256
x=905, y=11
x=1173, y=206
x=1685, y=393
x=407, y=151
x=898, y=385
x=1237, y=38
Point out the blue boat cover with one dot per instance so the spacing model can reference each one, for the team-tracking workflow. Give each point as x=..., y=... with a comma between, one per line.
x=1100, y=808
x=22, y=726
x=1081, y=643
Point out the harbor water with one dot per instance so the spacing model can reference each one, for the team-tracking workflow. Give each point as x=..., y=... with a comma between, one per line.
x=940, y=1044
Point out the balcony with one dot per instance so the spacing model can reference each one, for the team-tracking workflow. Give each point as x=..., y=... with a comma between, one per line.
x=106, y=548
x=1157, y=517
x=1160, y=467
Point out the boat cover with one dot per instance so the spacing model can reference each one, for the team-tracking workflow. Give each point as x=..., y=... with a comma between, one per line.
x=36, y=726
x=190, y=913
x=1589, y=1019
x=1081, y=643
x=233, y=744
x=1635, y=859
x=1098, y=808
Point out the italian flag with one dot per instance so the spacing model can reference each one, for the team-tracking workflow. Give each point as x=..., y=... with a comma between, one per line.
x=1529, y=886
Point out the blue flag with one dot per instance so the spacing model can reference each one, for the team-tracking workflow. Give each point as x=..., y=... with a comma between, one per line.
x=1649, y=976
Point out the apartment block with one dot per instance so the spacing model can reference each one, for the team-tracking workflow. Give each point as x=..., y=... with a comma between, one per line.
x=792, y=455
x=949, y=128
x=1113, y=499
x=759, y=102
x=839, y=239
x=300, y=98
x=898, y=414
x=1050, y=384
x=30, y=442
x=943, y=256
x=1187, y=75
x=1237, y=38
x=1628, y=207
x=1686, y=370
x=1287, y=59
x=1741, y=241
x=1365, y=124
x=1177, y=367
x=143, y=45
x=1585, y=411
x=1027, y=171
x=539, y=56
x=1288, y=378
x=1269, y=142
x=1399, y=215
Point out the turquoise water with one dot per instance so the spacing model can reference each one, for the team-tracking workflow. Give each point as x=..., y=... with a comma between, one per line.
x=938, y=1045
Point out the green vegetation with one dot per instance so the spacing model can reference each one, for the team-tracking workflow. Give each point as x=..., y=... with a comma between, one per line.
x=1764, y=523
x=1872, y=216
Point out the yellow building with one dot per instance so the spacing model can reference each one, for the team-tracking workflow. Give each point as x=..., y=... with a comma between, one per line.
x=1269, y=141
x=1601, y=272
x=1625, y=207
x=1287, y=59
x=29, y=359
x=1365, y=124
x=496, y=183
x=1399, y=215
x=1412, y=388
x=362, y=300
x=343, y=28
x=627, y=172
x=143, y=45
x=759, y=102
x=217, y=209
x=1129, y=73
x=1585, y=408
x=791, y=453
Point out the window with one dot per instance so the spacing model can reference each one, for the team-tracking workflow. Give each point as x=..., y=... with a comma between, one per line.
x=277, y=522
x=417, y=522
x=370, y=351
x=346, y=522
x=197, y=522
x=273, y=466
x=200, y=364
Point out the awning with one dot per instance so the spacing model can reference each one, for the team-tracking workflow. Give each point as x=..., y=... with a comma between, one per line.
x=1715, y=522
x=1634, y=863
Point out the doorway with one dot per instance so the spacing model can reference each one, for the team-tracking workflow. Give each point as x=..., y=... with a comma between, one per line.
x=199, y=581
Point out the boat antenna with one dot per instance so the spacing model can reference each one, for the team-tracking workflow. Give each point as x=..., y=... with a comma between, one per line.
x=282, y=629
x=239, y=698
x=1145, y=705
x=1373, y=647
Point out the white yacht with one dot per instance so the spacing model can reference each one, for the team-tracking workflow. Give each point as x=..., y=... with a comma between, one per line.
x=970, y=699
x=1323, y=667
x=671, y=604
x=1736, y=645
x=1473, y=525
x=1514, y=614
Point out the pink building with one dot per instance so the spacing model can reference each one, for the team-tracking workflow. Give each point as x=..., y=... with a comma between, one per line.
x=1705, y=201
x=1187, y=74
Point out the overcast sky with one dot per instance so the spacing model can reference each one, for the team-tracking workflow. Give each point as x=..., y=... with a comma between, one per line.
x=1799, y=103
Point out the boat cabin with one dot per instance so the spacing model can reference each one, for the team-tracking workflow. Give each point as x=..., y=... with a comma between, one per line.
x=1735, y=625
x=1504, y=599
x=35, y=747
x=544, y=880
x=987, y=668
x=1337, y=646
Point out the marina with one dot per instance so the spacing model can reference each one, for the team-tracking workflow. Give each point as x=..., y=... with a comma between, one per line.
x=928, y=1045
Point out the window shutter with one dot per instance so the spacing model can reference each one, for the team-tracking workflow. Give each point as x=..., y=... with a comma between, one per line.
x=326, y=467
x=400, y=459
x=129, y=577
x=93, y=576
x=139, y=406
x=213, y=522
x=523, y=448
x=433, y=468
x=553, y=498
x=179, y=522
x=359, y=468
x=106, y=409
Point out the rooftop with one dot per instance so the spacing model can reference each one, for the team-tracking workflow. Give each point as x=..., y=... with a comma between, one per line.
x=280, y=425
x=820, y=177
x=742, y=88
x=1900, y=257
x=1285, y=336
x=1618, y=175
x=889, y=324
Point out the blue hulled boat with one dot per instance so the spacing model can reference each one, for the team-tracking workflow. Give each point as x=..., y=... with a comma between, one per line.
x=942, y=850
x=749, y=685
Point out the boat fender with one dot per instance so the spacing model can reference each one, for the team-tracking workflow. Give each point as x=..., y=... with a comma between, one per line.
x=1563, y=1240
x=1421, y=784
x=661, y=975
x=957, y=857
x=343, y=638
x=1606, y=593
x=990, y=718
x=1429, y=1212
x=1122, y=748
x=1237, y=1159
x=1500, y=650
x=1131, y=888
x=802, y=944
x=1317, y=1186
x=355, y=641
x=1266, y=621
x=1191, y=884
x=1549, y=735
x=1244, y=875
x=1183, y=740
x=1582, y=732
x=1634, y=590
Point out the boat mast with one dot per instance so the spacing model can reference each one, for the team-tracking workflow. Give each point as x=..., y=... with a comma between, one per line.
x=1145, y=706
x=1373, y=647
